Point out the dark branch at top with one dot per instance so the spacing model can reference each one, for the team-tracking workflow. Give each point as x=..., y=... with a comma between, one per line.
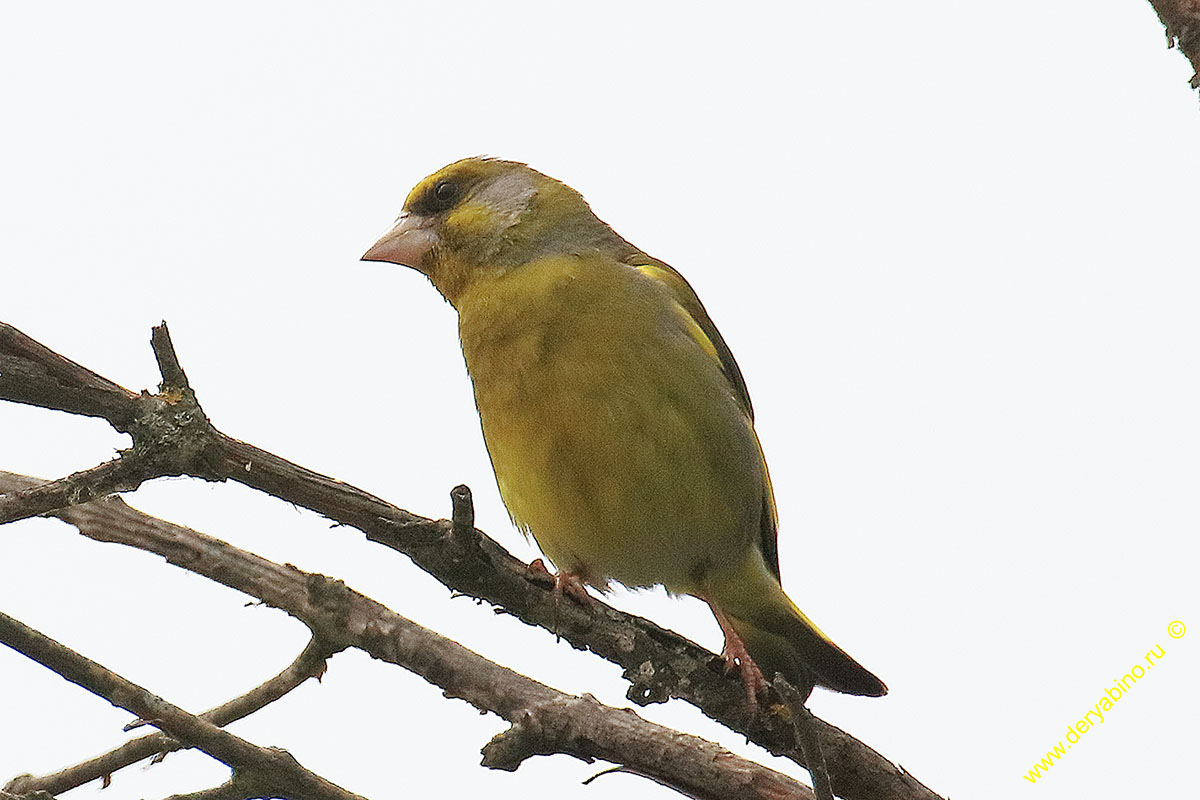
x=1181, y=18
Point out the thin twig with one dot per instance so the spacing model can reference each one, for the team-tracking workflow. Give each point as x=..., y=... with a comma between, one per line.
x=807, y=736
x=273, y=772
x=173, y=377
x=122, y=474
x=462, y=515
x=310, y=663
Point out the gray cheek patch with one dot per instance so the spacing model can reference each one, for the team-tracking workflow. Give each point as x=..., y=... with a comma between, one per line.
x=508, y=195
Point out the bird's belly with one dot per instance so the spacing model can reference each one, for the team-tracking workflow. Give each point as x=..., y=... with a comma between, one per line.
x=617, y=473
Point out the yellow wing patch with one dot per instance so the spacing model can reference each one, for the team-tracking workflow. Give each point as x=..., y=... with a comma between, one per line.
x=693, y=327
x=690, y=305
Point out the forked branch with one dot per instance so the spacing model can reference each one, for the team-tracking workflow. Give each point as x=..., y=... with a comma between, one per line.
x=259, y=771
x=544, y=721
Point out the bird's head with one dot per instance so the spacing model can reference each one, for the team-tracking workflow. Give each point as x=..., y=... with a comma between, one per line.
x=482, y=216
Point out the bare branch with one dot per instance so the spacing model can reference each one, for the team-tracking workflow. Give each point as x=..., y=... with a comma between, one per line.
x=659, y=663
x=462, y=516
x=310, y=663
x=268, y=772
x=16, y=345
x=807, y=735
x=563, y=724
x=582, y=727
x=122, y=474
x=33, y=374
x=173, y=377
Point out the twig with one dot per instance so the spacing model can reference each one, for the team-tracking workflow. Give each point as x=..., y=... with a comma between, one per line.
x=122, y=474
x=173, y=377
x=310, y=663
x=545, y=720
x=171, y=435
x=807, y=737
x=268, y=772
x=462, y=516
x=659, y=663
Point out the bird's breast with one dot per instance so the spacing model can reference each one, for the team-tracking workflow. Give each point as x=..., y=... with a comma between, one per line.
x=616, y=440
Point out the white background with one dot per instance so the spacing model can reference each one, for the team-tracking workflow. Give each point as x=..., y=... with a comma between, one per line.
x=952, y=245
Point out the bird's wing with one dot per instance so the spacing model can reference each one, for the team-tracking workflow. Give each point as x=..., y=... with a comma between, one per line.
x=686, y=297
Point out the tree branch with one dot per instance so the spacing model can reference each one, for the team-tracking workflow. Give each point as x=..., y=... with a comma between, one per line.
x=122, y=474
x=1181, y=18
x=267, y=772
x=310, y=663
x=545, y=721
x=41, y=377
x=582, y=727
x=660, y=664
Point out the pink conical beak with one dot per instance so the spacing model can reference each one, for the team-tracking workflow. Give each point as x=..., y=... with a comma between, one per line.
x=407, y=243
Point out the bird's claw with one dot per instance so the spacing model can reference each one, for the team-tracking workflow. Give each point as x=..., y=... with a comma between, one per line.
x=562, y=582
x=738, y=658
x=537, y=573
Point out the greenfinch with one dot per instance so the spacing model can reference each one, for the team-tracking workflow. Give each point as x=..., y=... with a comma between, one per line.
x=617, y=421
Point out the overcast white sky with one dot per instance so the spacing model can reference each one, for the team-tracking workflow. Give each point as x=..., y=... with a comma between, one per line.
x=952, y=246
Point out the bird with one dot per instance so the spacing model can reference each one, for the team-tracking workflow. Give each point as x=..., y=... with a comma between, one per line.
x=618, y=423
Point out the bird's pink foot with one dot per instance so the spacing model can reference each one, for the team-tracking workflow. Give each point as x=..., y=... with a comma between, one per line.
x=738, y=657
x=564, y=582
x=539, y=574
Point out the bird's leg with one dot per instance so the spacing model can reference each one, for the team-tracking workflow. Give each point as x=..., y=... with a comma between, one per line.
x=539, y=574
x=564, y=582
x=736, y=655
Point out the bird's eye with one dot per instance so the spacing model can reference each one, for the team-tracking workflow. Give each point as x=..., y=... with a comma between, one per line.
x=445, y=193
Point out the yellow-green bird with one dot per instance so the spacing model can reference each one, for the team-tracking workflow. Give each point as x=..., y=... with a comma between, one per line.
x=617, y=421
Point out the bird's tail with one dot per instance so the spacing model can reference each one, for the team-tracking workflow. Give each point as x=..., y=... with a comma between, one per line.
x=778, y=635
